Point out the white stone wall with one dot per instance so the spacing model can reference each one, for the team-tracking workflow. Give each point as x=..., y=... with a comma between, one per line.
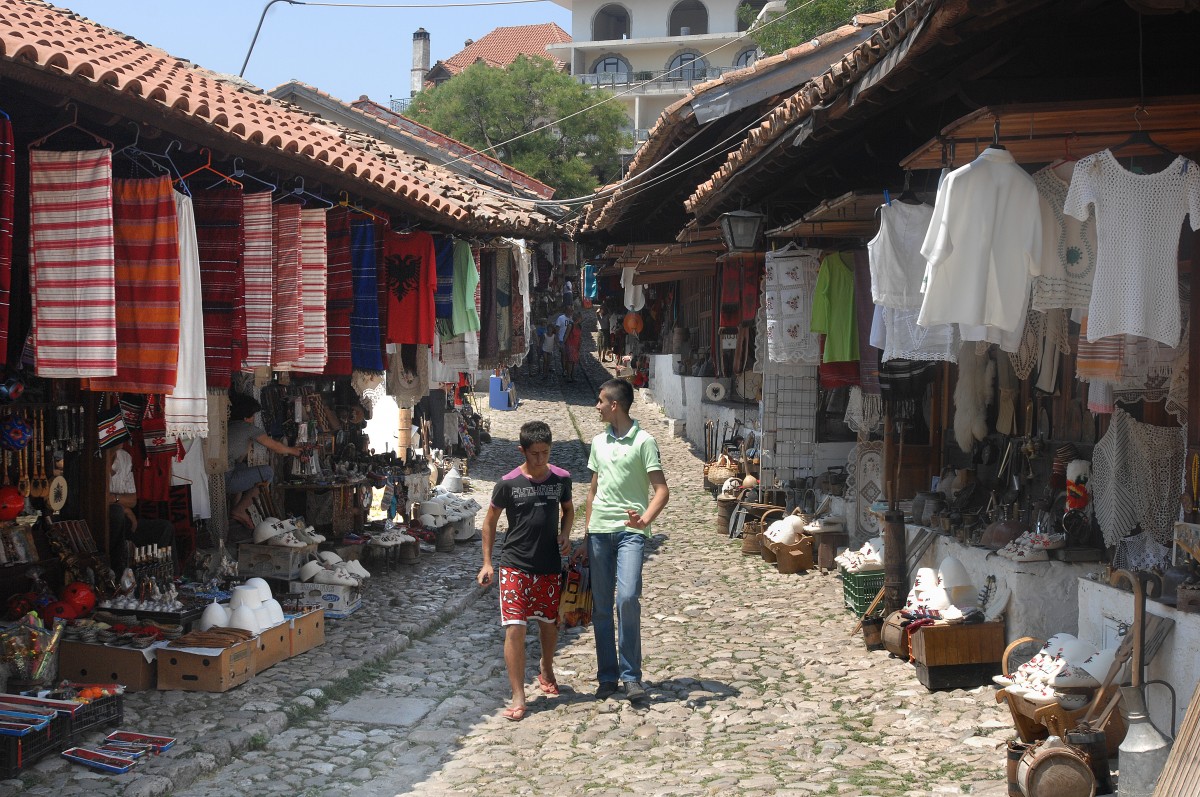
x=648, y=18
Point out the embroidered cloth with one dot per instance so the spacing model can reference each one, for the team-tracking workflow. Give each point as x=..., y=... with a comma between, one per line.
x=791, y=276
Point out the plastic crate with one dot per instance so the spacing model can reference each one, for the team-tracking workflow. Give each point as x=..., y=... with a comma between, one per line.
x=859, y=589
x=20, y=752
x=101, y=713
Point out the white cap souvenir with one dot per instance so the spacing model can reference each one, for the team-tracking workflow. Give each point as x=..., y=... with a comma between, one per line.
x=781, y=532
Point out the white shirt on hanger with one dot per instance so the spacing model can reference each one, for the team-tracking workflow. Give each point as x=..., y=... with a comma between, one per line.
x=983, y=246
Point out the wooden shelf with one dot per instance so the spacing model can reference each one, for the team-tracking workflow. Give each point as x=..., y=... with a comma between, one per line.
x=1043, y=132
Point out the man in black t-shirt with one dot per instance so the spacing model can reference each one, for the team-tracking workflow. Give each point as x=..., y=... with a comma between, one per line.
x=536, y=500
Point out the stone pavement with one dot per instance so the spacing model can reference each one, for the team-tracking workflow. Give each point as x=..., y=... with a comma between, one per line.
x=756, y=685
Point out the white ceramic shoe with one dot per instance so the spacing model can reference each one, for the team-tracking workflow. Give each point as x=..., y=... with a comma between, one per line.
x=287, y=540
x=356, y=569
x=335, y=577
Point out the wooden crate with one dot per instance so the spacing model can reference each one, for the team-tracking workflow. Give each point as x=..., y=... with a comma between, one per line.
x=956, y=676
x=943, y=645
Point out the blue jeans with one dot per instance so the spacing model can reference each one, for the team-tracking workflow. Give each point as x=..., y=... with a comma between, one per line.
x=615, y=562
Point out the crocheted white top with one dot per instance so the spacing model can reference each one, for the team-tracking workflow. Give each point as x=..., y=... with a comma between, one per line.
x=1068, y=246
x=1138, y=217
x=897, y=266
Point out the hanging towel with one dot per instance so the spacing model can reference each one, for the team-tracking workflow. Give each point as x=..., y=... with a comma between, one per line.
x=216, y=445
x=489, y=343
x=8, y=187
x=466, y=278
x=71, y=263
x=365, y=353
x=443, y=300
x=287, y=330
x=259, y=277
x=218, y=216
x=341, y=293
x=791, y=275
x=590, y=287
x=1100, y=359
x=146, y=280
x=190, y=471
x=313, y=291
x=411, y=264
x=187, y=405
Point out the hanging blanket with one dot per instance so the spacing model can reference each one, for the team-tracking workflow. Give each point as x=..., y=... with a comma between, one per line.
x=8, y=185
x=287, y=332
x=381, y=290
x=443, y=300
x=1136, y=473
x=519, y=288
x=71, y=263
x=313, y=291
x=219, y=235
x=791, y=275
x=504, y=302
x=259, y=277
x=187, y=405
x=489, y=342
x=365, y=353
x=341, y=293
x=146, y=278
x=411, y=264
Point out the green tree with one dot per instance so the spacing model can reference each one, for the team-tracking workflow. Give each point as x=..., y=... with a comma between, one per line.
x=488, y=107
x=805, y=24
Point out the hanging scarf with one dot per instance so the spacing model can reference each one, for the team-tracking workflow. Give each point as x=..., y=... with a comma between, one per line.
x=71, y=263
x=443, y=300
x=287, y=333
x=313, y=291
x=218, y=215
x=8, y=186
x=258, y=275
x=187, y=404
x=146, y=280
x=489, y=342
x=340, y=304
x=518, y=346
x=504, y=302
x=365, y=353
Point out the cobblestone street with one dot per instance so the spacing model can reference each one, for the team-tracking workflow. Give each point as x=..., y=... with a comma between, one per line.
x=756, y=685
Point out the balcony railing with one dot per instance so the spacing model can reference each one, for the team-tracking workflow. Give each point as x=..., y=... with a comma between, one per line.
x=400, y=105
x=654, y=82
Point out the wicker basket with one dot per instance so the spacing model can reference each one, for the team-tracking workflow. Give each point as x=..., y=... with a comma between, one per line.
x=752, y=538
x=715, y=473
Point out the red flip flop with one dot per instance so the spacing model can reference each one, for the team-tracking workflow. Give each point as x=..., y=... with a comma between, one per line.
x=549, y=687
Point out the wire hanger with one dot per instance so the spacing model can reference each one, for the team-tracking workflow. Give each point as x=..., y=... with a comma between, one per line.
x=208, y=167
x=138, y=157
x=1140, y=137
x=907, y=195
x=73, y=124
x=996, y=136
x=344, y=202
x=240, y=173
x=299, y=192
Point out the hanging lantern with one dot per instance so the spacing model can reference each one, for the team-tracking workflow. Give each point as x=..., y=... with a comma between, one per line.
x=633, y=323
x=741, y=230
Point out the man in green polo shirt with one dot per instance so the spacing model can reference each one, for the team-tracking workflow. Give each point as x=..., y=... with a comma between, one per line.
x=625, y=472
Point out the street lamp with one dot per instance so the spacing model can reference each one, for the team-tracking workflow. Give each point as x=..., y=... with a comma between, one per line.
x=741, y=230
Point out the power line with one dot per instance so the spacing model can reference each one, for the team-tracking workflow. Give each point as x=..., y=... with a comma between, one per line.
x=270, y=3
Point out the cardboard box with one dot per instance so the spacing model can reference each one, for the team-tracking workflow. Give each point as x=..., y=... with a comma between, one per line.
x=272, y=561
x=272, y=646
x=206, y=671
x=943, y=645
x=307, y=631
x=338, y=601
x=101, y=664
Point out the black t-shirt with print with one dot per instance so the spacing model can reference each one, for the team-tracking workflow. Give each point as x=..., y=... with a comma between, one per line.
x=534, y=512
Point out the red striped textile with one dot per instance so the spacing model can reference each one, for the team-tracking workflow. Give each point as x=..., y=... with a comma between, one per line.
x=71, y=263
x=219, y=237
x=258, y=271
x=146, y=274
x=341, y=293
x=313, y=291
x=8, y=187
x=286, y=330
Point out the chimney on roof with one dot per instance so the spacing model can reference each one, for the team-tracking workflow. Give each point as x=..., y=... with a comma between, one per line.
x=468, y=42
x=420, y=61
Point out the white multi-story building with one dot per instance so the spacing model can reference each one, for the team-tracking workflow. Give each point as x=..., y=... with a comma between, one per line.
x=652, y=52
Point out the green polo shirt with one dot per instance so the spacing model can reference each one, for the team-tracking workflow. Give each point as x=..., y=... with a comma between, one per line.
x=623, y=465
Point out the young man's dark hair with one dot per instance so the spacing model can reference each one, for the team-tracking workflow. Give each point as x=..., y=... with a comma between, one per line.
x=619, y=391
x=534, y=432
x=242, y=406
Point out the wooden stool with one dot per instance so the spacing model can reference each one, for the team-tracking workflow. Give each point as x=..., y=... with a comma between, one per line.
x=827, y=547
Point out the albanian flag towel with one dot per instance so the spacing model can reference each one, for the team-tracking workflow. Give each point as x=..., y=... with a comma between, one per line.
x=411, y=265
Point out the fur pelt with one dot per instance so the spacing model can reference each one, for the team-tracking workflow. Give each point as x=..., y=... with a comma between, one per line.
x=972, y=394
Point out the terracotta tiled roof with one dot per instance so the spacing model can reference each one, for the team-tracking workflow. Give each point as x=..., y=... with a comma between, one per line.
x=502, y=46
x=677, y=122
x=818, y=92
x=102, y=66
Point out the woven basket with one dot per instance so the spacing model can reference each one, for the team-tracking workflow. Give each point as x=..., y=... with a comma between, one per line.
x=752, y=538
x=715, y=473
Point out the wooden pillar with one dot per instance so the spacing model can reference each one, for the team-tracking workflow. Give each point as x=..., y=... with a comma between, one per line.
x=895, y=558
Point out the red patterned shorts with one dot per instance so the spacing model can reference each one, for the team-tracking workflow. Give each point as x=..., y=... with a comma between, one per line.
x=528, y=596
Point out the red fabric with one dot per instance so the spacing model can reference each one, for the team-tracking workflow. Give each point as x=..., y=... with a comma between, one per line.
x=751, y=276
x=729, y=306
x=410, y=263
x=834, y=375
x=286, y=335
x=146, y=283
x=340, y=301
x=219, y=239
x=528, y=596
x=8, y=183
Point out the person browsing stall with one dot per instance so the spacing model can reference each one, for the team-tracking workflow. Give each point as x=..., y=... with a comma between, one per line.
x=628, y=491
x=242, y=479
x=536, y=500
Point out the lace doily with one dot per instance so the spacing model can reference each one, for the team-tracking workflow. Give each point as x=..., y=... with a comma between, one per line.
x=864, y=414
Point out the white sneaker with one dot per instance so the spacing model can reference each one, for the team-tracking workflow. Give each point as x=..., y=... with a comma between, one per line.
x=287, y=540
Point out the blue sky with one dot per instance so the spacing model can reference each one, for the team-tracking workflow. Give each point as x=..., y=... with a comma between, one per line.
x=347, y=52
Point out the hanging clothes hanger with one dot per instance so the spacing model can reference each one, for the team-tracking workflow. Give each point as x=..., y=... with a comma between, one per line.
x=208, y=167
x=138, y=157
x=344, y=202
x=907, y=195
x=298, y=191
x=240, y=174
x=1141, y=137
x=996, y=137
x=165, y=155
x=71, y=125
